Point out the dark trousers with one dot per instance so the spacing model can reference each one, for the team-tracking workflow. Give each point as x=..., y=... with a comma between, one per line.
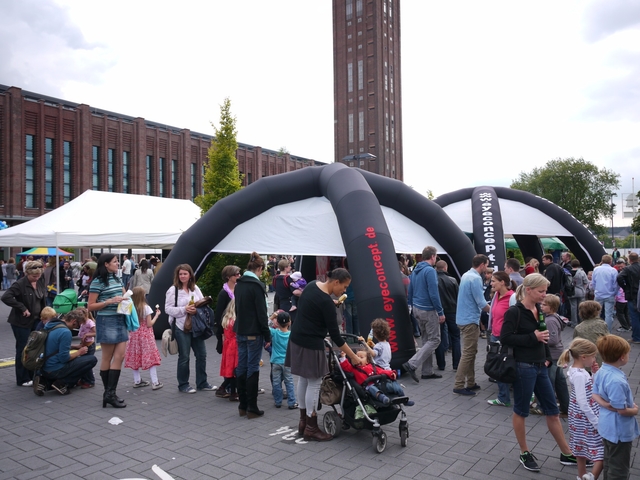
x=617, y=460
x=21, y=335
x=80, y=368
x=454, y=344
x=622, y=312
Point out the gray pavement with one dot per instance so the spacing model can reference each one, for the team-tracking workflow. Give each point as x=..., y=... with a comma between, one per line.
x=200, y=436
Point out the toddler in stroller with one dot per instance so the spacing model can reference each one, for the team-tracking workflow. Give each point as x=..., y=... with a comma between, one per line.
x=381, y=389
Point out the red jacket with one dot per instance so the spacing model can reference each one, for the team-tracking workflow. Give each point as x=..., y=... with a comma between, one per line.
x=362, y=372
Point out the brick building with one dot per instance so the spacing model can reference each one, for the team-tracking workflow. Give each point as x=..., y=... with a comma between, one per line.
x=52, y=150
x=367, y=96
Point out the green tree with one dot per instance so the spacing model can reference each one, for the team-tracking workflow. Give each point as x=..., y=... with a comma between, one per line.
x=576, y=185
x=221, y=174
x=221, y=178
x=635, y=224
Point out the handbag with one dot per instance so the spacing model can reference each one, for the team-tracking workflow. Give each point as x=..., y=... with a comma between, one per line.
x=500, y=363
x=132, y=320
x=330, y=393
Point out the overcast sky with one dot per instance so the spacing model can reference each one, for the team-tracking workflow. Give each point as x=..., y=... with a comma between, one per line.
x=490, y=88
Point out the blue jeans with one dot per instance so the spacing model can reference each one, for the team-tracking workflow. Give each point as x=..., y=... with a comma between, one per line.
x=504, y=395
x=249, y=352
x=186, y=343
x=125, y=279
x=278, y=372
x=635, y=321
x=80, y=368
x=351, y=318
x=608, y=305
x=533, y=378
x=451, y=331
x=559, y=384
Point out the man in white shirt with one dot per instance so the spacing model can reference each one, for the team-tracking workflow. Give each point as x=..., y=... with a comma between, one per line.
x=126, y=270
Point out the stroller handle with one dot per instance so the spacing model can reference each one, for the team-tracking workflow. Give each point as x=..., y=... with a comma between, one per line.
x=327, y=340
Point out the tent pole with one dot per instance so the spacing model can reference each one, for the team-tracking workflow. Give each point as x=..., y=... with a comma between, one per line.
x=57, y=270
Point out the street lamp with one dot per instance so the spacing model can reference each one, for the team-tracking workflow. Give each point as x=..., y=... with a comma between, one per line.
x=613, y=210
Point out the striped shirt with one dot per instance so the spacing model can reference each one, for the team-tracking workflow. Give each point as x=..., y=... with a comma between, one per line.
x=106, y=292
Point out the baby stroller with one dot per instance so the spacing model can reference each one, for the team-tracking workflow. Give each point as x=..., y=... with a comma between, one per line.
x=357, y=409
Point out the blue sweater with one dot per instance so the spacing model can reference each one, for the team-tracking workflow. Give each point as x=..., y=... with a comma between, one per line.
x=423, y=289
x=59, y=340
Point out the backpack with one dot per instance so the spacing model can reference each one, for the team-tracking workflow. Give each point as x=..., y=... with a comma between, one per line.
x=33, y=357
x=569, y=286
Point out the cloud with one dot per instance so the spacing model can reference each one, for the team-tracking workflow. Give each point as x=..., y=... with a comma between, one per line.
x=41, y=48
x=606, y=17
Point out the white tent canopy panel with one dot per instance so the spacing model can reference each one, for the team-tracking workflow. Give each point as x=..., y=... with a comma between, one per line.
x=310, y=227
x=107, y=219
x=517, y=219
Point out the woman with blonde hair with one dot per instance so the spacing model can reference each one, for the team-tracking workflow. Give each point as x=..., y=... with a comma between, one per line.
x=26, y=297
x=522, y=331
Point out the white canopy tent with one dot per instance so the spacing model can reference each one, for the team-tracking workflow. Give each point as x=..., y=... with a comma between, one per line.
x=310, y=227
x=107, y=219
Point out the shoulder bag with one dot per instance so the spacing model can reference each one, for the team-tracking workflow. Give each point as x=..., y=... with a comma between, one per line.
x=500, y=363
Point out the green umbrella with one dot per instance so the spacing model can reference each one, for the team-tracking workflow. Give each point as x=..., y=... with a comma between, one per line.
x=548, y=243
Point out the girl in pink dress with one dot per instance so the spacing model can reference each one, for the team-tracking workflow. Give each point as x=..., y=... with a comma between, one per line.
x=142, y=351
x=229, y=350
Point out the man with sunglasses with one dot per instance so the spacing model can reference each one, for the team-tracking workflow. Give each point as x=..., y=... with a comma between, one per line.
x=63, y=369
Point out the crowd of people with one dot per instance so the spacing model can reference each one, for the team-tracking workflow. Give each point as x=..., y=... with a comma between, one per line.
x=507, y=306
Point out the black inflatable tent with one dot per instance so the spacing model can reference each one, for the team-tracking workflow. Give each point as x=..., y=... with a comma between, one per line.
x=490, y=213
x=357, y=199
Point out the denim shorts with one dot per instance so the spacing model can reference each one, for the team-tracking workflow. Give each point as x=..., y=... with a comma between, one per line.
x=111, y=329
x=533, y=378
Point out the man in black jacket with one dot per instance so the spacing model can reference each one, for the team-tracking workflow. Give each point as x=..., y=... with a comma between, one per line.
x=448, y=290
x=554, y=274
x=629, y=280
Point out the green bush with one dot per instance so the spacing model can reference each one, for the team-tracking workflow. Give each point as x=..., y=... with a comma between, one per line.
x=210, y=281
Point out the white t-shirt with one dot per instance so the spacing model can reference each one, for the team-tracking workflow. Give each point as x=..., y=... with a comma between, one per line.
x=126, y=267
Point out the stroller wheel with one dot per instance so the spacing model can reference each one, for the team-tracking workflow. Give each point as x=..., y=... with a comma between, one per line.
x=332, y=424
x=380, y=442
x=404, y=434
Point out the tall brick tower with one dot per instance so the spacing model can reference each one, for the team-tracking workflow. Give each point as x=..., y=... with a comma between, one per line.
x=367, y=96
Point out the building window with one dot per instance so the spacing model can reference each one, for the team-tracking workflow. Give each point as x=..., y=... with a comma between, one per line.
x=161, y=177
x=360, y=75
x=95, y=167
x=249, y=178
x=349, y=9
x=125, y=171
x=202, y=182
x=359, y=8
x=390, y=8
x=351, y=128
x=66, y=172
x=149, y=174
x=193, y=181
x=30, y=172
x=386, y=82
x=174, y=178
x=110, y=154
x=48, y=173
x=361, y=126
x=350, y=77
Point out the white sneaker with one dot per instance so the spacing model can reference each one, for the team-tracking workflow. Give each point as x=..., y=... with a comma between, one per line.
x=28, y=384
x=587, y=476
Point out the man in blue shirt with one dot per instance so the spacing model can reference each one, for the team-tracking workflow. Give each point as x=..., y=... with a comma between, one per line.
x=471, y=303
x=424, y=299
x=605, y=287
x=63, y=368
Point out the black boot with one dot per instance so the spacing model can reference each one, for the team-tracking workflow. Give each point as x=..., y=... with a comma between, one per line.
x=104, y=374
x=110, y=395
x=252, y=397
x=241, y=384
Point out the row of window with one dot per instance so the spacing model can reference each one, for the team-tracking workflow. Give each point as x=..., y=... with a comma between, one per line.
x=349, y=8
x=361, y=127
x=50, y=166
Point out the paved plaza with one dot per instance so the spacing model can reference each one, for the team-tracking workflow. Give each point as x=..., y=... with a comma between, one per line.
x=200, y=436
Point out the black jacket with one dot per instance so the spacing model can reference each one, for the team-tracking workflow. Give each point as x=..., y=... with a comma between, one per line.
x=555, y=275
x=448, y=289
x=526, y=347
x=629, y=280
x=251, y=308
x=20, y=297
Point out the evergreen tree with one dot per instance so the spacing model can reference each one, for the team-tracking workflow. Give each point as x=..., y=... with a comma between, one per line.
x=221, y=178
